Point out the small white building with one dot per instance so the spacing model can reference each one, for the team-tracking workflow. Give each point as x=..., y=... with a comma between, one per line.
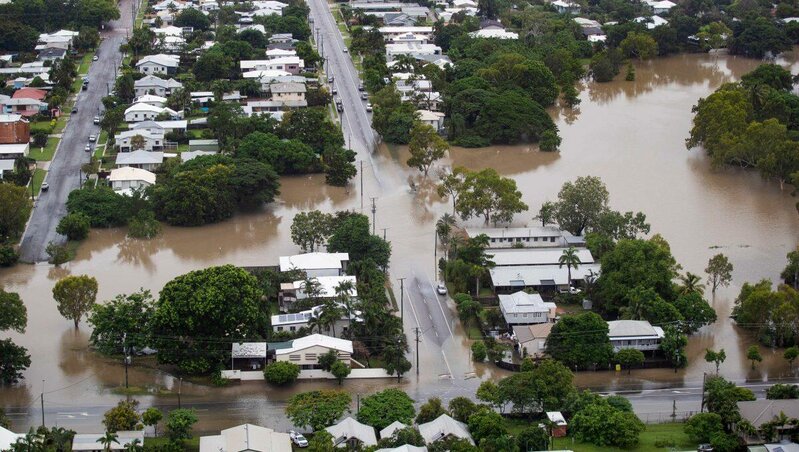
x=404, y=448
x=291, y=64
x=90, y=442
x=152, y=140
x=145, y=112
x=651, y=22
x=128, y=179
x=316, y=264
x=532, y=339
x=273, y=54
x=14, y=151
x=494, y=32
x=522, y=308
x=158, y=64
x=351, y=433
x=444, y=427
x=398, y=34
x=149, y=161
x=151, y=99
x=434, y=119
x=246, y=438
x=151, y=84
x=413, y=49
x=566, y=7
x=305, y=351
x=534, y=236
x=288, y=92
x=635, y=334
x=661, y=6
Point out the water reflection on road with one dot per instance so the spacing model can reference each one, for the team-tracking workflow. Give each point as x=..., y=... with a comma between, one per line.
x=631, y=134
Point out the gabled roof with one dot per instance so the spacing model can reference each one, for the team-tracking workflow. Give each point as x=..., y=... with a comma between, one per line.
x=248, y=350
x=391, y=428
x=527, y=333
x=287, y=88
x=139, y=158
x=7, y=438
x=29, y=93
x=313, y=261
x=758, y=412
x=405, y=448
x=151, y=80
x=444, y=426
x=523, y=302
x=350, y=428
x=144, y=107
x=91, y=441
x=160, y=59
x=128, y=173
x=632, y=328
x=332, y=343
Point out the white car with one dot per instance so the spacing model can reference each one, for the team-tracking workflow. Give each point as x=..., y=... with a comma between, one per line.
x=96, y=120
x=571, y=290
x=346, y=50
x=92, y=138
x=298, y=439
x=95, y=58
x=441, y=289
x=368, y=106
x=88, y=148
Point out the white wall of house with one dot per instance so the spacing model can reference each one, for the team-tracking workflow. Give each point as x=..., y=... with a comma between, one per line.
x=308, y=358
x=128, y=184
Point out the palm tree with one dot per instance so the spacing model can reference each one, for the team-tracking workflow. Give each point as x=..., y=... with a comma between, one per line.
x=444, y=228
x=60, y=438
x=108, y=439
x=133, y=446
x=691, y=283
x=314, y=322
x=570, y=259
x=344, y=290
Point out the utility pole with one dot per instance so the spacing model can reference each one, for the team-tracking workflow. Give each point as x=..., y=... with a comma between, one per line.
x=180, y=386
x=435, y=253
x=384, y=232
x=374, y=209
x=417, y=350
x=127, y=358
x=361, y=185
x=42, y=397
x=399, y=355
x=402, y=298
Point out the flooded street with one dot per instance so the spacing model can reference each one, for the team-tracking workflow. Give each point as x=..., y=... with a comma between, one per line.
x=631, y=134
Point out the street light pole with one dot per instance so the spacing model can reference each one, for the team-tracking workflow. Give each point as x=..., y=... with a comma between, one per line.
x=402, y=299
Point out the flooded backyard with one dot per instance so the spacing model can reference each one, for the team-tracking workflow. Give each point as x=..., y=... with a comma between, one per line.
x=631, y=134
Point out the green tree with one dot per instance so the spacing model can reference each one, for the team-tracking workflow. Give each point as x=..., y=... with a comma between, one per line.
x=179, y=424
x=126, y=89
x=690, y=283
x=13, y=360
x=639, y=45
x=317, y=409
x=400, y=437
x=791, y=272
x=125, y=316
x=714, y=36
x=13, y=313
x=479, y=351
x=701, y=427
x=695, y=312
x=215, y=302
x=782, y=391
x=715, y=357
x=790, y=355
x=630, y=357
x=353, y=236
x=95, y=12
x=461, y=408
x=486, y=424
x=144, y=225
x=212, y=65
x=385, y=407
x=194, y=18
x=74, y=226
x=722, y=397
x=489, y=392
x=122, y=417
x=310, y=230
x=281, y=373
x=580, y=341
x=452, y=185
x=339, y=167
x=533, y=438
x=340, y=371
x=426, y=147
x=430, y=410
x=581, y=204
x=75, y=296
x=108, y=440
x=151, y=417
x=604, y=425
x=15, y=208
x=757, y=36
x=485, y=193
x=104, y=207
x=719, y=271
x=753, y=355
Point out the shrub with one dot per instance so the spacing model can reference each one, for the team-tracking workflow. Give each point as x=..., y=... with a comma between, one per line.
x=59, y=254
x=74, y=226
x=550, y=141
x=479, y=351
x=472, y=141
x=281, y=373
x=143, y=225
x=39, y=138
x=8, y=256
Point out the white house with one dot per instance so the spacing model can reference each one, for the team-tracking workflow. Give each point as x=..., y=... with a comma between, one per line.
x=493, y=29
x=145, y=112
x=290, y=64
x=327, y=286
x=273, y=54
x=151, y=99
x=661, y=6
x=532, y=339
x=127, y=179
x=287, y=91
x=59, y=37
x=298, y=320
x=140, y=159
x=444, y=427
x=512, y=278
x=394, y=34
x=509, y=257
x=316, y=264
x=173, y=125
x=350, y=433
x=651, y=22
x=391, y=428
x=8, y=438
x=534, y=237
x=246, y=437
x=153, y=140
x=636, y=334
x=14, y=151
x=191, y=155
x=413, y=49
x=90, y=442
x=158, y=64
x=435, y=119
x=522, y=308
x=566, y=7
x=305, y=351
x=151, y=84
x=404, y=448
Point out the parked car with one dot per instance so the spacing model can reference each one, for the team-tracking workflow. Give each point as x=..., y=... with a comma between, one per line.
x=571, y=290
x=92, y=138
x=330, y=79
x=45, y=186
x=368, y=106
x=96, y=120
x=88, y=148
x=298, y=439
x=334, y=91
x=364, y=96
x=84, y=87
x=95, y=58
x=74, y=110
x=346, y=50
x=441, y=289
x=360, y=86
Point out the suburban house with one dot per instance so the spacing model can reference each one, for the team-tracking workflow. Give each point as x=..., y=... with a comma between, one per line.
x=350, y=433
x=651, y=22
x=249, y=355
x=210, y=145
x=434, y=119
x=128, y=179
x=412, y=49
x=26, y=102
x=158, y=64
x=566, y=7
x=531, y=340
x=151, y=84
x=326, y=289
x=493, y=29
x=90, y=442
x=529, y=237
x=58, y=37
x=272, y=106
x=537, y=268
x=660, y=6
x=522, y=308
x=140, y=159
x=146, y=112
x=443, y=427
x=400, y=34
x=150, y=140
x=290, y=64
x=246, y=437
x=284, y=92
x=161, y=127
x=274, y=54
x=759, y=412
x=558, y=422
x=391, y=428
x=13, y=151
x=635, y=334
x=296, y=321
x=51, y=54
x=316, y=264
x=14, y=129
x=305, y=351
x=151, y=99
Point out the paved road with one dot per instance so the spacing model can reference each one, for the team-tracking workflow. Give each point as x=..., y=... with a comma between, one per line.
x=64, y=173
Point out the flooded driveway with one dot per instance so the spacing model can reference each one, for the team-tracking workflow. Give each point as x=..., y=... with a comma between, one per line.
x=631, y=134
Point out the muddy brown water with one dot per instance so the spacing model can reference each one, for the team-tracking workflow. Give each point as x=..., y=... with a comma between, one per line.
x=631, y=134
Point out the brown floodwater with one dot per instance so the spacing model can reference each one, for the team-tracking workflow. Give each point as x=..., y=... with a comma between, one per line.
x=631, y=134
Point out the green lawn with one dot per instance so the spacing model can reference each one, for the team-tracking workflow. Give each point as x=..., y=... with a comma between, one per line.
x=671, y=433
x=46, y=153
x=61, y=123
x=36, y=181
x=189, y=445
x=85, y=62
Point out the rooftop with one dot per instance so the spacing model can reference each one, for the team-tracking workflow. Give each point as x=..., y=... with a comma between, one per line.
x=618, y=329
x=533, y=231
x=523, y=302
x=128, y=173
x=91, y=441
x=535, y=256
x=527, y=333
x=320, y=340
x=246, y=437
x=313, y=261
x=139, y=158
x=539, y=275
x=442, y=427
x=758, y=412
x=350, y=428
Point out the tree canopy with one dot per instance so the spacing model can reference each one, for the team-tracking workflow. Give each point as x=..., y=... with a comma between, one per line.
x=385, y=407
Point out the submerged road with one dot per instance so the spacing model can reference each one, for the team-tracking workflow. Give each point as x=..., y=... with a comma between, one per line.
x=64, y=175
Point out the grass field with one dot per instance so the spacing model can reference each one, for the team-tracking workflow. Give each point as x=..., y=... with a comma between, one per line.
x=85, y=62
x=46, y=153
x=36, y=180
x=671, y=434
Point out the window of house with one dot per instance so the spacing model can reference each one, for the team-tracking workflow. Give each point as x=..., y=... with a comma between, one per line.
x=280, y=328
x=552, y=239
x=310, y=356
x=535, y=239
x=292, y=328
x=294, y=358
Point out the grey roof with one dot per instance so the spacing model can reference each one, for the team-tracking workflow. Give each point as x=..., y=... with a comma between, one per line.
x=405, y=448
x=444, y=426
x=522, y=302
x=758, y=412
x=350, y=428
x=152, y=80
x=139, y=158
x=248, y=350
x=536, y=256
x=630, y=328
x=145, y=125
x=391, y=428
x=527, y=333
x=287, y=88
